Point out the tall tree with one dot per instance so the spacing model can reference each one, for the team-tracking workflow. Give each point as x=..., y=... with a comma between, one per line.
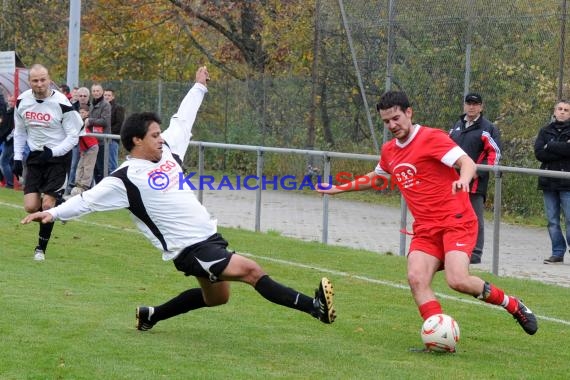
x=261, y=34
x=37, y=31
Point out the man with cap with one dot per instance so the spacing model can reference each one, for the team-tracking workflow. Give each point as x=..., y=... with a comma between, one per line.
x=480, y=139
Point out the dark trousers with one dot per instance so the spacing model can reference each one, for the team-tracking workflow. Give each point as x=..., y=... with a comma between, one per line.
x=99, y=165
x=478, y=203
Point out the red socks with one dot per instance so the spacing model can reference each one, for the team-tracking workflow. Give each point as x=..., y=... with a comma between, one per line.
x=491, y=294
x=430, y=308
x=496, y=296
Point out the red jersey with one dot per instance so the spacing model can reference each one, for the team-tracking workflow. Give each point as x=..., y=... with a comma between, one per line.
x=86, y=142
x=423, y=169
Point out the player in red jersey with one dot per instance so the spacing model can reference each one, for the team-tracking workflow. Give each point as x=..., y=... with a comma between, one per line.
x=425, y=163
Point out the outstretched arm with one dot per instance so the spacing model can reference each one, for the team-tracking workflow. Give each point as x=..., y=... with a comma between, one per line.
x=179, y=132
x=364, y=182
x=109, y=194
x=40, y=216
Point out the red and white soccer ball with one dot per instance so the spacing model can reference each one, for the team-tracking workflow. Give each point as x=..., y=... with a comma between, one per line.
x=440, y=333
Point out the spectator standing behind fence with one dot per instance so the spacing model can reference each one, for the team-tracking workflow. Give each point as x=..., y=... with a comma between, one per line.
x=7, y=137
x=82, y=94
x=100, y=122
x=480, y=139
x=177, y=224
x=552, y=149
x=46, y=121
x=75, y=98
x=423, y=162
x=65, y=90
x=88, y=148
x=117, y=118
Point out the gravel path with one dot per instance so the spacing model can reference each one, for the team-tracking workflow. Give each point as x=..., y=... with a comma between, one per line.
x=375, y=228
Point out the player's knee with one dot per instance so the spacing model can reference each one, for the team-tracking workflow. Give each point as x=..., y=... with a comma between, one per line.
x=254, y=274
x=417, y=279
x=457, y=283
x=47, y=205
x=31, y=208
x=251, y=272
x=218, y=300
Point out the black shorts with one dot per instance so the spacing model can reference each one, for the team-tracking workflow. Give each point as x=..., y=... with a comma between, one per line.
x=49, y=178
x=206, y=259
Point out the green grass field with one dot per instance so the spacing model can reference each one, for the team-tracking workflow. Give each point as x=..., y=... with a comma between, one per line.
x=72, y=316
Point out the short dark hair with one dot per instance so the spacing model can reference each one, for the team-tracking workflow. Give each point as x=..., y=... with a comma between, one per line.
x=391, y=99
x=136, y=125
x=65, y=88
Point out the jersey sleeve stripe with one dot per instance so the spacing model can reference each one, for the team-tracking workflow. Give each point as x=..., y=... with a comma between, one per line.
x=452, y=156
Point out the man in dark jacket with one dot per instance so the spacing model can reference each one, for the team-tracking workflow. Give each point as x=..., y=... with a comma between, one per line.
x=480, y=139
x=117, y=118
x=99, y=121
x=552, y=149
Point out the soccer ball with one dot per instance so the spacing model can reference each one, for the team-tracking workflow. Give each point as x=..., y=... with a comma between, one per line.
x=440, y=333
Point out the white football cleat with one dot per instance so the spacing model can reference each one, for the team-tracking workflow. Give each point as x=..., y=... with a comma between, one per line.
x=39, y=255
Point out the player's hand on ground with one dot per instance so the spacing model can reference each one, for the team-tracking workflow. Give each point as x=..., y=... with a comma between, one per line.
x=202, y=75
x=40, y=216
x=459, y=185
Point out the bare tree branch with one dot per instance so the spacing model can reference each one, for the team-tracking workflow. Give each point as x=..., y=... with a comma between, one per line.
x=203, y=50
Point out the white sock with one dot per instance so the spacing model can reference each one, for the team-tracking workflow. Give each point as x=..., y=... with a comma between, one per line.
x=506, y=301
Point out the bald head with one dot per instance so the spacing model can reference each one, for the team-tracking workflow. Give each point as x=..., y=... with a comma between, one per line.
x=39, y=81
x=38, y=68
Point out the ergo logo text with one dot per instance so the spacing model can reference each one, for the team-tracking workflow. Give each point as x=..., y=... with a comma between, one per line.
x=164, y=168
x=39, y=116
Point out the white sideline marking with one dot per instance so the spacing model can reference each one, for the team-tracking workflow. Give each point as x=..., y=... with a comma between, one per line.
x=393, y=285
x=324, y=270
x=11, y=205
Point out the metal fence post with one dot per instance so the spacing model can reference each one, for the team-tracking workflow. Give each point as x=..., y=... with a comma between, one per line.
x=326, y=174
x=497, y=219
x=201, y=149
x=403, y=225
x=358, y=76
x=258, y=190
x=106, y=156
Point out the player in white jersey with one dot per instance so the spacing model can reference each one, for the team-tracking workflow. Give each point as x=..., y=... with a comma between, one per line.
x=44, y=120
x=150, y=183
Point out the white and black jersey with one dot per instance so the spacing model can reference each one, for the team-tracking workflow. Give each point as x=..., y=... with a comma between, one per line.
x=50, y=122
x=163, y=206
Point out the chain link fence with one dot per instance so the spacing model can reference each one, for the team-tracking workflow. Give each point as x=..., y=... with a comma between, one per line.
x=511, y=51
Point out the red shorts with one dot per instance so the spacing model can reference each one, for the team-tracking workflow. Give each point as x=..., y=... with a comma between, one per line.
x=436, y=240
